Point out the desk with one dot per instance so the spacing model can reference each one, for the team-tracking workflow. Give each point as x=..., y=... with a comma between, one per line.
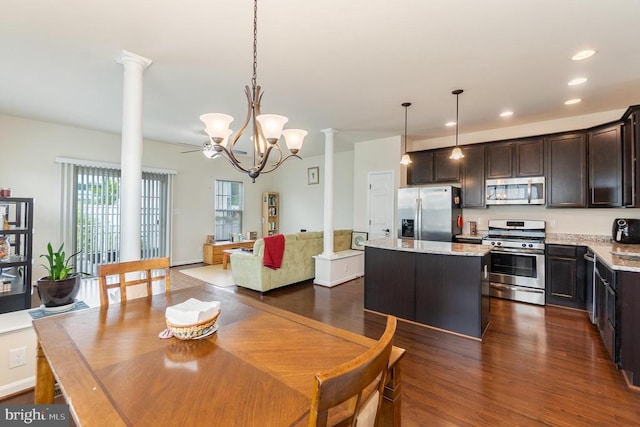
x=212, y=252
x=257, y=369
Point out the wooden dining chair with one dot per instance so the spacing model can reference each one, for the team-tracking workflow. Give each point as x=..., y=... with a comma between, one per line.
x=121, y=269
x=351, y=394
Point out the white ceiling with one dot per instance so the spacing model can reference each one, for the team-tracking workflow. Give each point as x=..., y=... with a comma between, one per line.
x=334, y=63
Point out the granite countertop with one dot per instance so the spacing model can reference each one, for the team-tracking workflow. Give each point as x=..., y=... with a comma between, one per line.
x=429, y=247
x=614, y=255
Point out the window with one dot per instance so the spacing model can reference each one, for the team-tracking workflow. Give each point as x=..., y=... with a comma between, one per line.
x=229, y=198
x=91, y=220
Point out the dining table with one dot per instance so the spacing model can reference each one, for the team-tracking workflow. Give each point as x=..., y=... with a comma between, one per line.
x=257, y=369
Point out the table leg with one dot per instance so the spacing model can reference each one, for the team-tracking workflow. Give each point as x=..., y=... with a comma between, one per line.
x=45, y=381
x=390, y=413
x=225, y=260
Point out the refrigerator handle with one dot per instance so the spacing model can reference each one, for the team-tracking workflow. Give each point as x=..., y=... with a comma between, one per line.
x=418, y=220
x=529, y=192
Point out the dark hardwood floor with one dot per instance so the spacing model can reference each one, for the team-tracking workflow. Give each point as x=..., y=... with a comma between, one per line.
x=535, y=366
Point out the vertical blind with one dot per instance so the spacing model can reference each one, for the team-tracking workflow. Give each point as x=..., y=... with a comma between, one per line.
x=91, y=214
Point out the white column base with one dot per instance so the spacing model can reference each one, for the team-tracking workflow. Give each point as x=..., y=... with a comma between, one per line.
x=339, y=267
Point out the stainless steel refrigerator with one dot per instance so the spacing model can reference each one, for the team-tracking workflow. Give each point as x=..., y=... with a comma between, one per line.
x=429, y=213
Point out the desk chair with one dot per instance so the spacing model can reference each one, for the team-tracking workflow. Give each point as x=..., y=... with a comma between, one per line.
x=121, y=269
x=359, y=383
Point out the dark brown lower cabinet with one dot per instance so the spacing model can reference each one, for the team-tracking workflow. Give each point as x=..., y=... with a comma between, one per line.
x=565, y=276
x=448, y=292
x=628, y=285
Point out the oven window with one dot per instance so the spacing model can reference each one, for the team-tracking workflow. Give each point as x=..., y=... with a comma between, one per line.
x=513, y=264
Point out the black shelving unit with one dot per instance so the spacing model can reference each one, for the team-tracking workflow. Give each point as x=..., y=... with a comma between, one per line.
x=15, y=268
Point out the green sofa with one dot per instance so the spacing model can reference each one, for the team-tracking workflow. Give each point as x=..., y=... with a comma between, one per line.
x=298, y=263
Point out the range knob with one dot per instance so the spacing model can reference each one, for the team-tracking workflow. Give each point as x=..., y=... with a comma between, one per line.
x=530, y=245
x=524, y=245
x=499, y=243
x=493, y=243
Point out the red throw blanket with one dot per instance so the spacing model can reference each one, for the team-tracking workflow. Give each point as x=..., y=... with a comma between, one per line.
x=273, y=251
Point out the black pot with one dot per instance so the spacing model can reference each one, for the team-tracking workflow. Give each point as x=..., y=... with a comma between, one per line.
x=56, y=293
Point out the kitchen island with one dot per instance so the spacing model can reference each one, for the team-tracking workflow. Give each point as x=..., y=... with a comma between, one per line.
x=437, y=284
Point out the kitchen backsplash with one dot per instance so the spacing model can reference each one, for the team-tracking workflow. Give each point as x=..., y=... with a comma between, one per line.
x=579, y=222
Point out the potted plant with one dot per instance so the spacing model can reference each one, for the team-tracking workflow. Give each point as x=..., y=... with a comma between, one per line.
x=58, y=290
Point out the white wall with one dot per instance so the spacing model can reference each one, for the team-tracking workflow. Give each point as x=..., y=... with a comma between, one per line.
x=302, y=205
x=377, y=155
x=28, y=151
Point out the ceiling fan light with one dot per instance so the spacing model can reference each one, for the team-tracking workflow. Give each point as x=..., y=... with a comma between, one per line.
x=405, y=160
x=216, y=124
x=272, y=125
x=294, y=138
x=456, y=154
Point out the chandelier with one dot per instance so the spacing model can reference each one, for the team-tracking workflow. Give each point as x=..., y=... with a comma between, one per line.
x=266, y=128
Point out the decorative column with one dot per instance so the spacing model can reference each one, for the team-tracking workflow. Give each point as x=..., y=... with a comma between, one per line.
x=131, y=155
x=328, y=192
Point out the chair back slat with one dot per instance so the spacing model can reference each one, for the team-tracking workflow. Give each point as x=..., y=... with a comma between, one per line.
x=121, y=269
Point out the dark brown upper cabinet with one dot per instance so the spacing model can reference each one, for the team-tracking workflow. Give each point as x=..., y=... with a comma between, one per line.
x=499, y=160
x=473, y=184
x=630, y=153
x=420, y=170
x=444, y=168
x=605, y=166
x=431, y=166
x=521, y=158
x=566, y=166
x=529, y=157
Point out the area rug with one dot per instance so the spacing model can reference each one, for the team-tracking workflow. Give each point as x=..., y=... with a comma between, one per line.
x=213, y=274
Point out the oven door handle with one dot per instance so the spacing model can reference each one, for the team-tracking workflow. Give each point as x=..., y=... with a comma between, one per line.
x=517, y=288
x=519, y=251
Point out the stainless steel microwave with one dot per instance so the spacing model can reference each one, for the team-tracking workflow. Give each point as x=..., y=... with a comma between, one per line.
x=515, y=191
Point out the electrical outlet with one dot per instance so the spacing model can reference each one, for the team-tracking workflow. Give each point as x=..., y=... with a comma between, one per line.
x=17, y=357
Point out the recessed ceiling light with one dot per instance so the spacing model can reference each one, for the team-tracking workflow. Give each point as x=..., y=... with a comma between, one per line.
x=583, y=54
x=449, y=124
x=506, y=114
x=577, y=81
x=572, y=101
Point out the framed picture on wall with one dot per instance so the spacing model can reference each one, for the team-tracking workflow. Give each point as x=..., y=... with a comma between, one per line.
x=313, y=175
x=357, y=240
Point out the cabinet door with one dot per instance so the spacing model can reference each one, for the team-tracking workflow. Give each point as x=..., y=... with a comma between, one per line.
x=605, y=167
x=444, y=168
x=529, y=157
x=566, y=168
x=565, y=276
x=629, y=147
x=420, y=171
x=473, y=185
x=499, y=160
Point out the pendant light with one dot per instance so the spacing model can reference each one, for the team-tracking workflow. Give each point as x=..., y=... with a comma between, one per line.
x=456, y=153
x=405, y=160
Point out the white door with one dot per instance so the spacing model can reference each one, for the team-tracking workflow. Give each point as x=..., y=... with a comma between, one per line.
x=381, y=205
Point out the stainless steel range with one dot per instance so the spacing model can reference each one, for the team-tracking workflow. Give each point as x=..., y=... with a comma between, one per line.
x=517, y=259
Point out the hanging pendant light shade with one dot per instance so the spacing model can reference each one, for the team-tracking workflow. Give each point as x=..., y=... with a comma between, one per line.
x=405, y=160
x=456, y=153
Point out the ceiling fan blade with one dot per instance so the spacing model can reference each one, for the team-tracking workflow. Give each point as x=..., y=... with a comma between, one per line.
x=190, y=151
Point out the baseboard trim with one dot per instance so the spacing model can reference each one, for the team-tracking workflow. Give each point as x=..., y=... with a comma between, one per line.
x=17, y=387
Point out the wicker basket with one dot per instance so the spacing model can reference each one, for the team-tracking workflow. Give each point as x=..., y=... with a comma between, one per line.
x=189, y=332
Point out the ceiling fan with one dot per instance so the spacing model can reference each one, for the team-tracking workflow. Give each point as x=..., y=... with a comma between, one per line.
x=239, y=152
